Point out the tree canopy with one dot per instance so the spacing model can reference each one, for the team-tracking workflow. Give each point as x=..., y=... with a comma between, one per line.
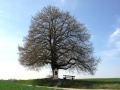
x=57, y=39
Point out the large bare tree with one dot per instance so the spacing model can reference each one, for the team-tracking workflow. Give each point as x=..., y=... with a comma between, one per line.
x=57, y=39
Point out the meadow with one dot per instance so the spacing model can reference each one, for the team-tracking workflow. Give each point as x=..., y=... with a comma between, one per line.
x=97, y=83
x=9, y=85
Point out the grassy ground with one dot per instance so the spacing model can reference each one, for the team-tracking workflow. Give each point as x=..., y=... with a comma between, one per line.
x=107, y=83
x=8, y=85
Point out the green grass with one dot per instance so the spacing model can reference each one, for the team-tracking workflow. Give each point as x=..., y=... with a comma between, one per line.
x=98, y=83
x=113, y=83
x=8, y=85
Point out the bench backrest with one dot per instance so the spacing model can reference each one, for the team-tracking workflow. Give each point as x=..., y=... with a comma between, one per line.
x=68, y=76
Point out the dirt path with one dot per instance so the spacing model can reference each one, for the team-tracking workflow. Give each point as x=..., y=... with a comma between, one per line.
x=69, y=88
x=75, y=88
x=60, y=88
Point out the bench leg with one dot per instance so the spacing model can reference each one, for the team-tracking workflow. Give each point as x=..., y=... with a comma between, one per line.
x=64, y=78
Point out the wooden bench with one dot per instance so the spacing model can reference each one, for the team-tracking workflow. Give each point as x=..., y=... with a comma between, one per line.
x=68, y=77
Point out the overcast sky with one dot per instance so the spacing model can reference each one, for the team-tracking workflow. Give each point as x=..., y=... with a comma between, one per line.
x=101, y=17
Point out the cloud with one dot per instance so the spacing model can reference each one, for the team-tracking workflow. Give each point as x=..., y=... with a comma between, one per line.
x=111, y=53
x=114, y=43
x=59, y=2
x=63, y=1
x=115, y=36
x=5, y=15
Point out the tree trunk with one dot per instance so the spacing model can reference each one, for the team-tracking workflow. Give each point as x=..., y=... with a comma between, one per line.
x=55, y=74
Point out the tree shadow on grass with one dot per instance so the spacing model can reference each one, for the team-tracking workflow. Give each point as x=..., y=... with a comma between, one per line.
x=83, y=84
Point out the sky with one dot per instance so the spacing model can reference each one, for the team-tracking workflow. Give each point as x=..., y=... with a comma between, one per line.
x=101, y=17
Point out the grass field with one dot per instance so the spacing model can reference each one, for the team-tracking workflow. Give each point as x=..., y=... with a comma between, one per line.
x=8, y=85
x=102, y=83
